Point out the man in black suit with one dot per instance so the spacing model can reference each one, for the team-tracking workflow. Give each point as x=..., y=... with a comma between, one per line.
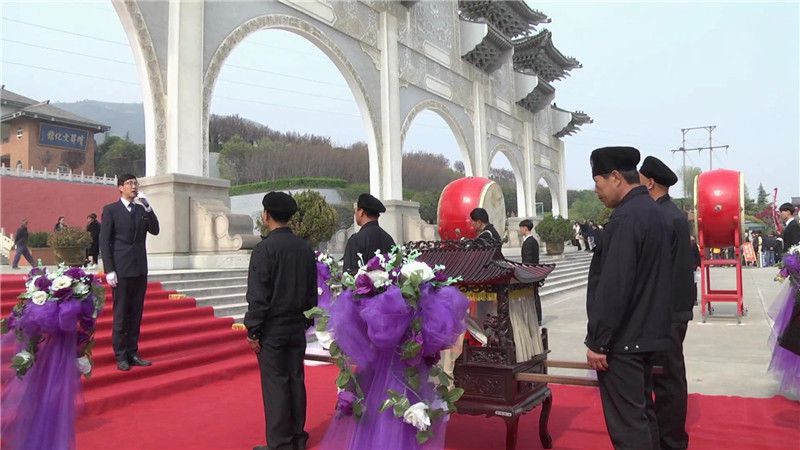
x=628, y=299
x=670, y=388
x=479, y=218
x=530, y=255
x=791, y=230
x=281, y=285
x=123, y=233
x=370, y=237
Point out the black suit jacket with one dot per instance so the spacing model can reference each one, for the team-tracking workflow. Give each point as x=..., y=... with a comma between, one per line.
x=369, y=238
x=530, y=251
x=122, y=238
x=791, y=235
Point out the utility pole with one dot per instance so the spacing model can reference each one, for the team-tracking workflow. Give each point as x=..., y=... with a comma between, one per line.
x=710, y=148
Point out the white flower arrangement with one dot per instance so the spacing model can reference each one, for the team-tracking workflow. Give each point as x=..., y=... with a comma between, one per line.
x=417, y=416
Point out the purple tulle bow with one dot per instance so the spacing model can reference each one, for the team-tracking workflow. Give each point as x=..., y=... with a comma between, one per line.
x=444, y=317
x=387, y=316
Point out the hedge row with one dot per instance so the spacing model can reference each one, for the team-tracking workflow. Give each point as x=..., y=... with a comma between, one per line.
x=289, y=183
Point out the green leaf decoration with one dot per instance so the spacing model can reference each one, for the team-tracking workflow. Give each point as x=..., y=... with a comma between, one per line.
x=358, y=408
x=3, y=326
x=435, y=414
x=412, y=378
x=314, y=312
x=322, y=324
x=386, y=404
x=411, y=349
x=453, y=395
x=423, y=436
x=343, y=379
x=401, y=406
x=416, y=325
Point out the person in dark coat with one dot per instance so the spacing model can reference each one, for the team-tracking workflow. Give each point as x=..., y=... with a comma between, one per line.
x=791, y=229
x=371, y=237
x=93, y=227
x=670, y=388
x=21, y=244
x=123, y=235
x=60, y=224
x=281, y=285
x=628, y=300
x=485, y=230
x=530, y=255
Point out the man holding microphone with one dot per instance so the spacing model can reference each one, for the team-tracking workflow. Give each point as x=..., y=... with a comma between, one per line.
x=123, y=232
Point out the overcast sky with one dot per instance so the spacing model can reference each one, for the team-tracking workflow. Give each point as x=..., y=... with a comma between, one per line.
x=649, y=69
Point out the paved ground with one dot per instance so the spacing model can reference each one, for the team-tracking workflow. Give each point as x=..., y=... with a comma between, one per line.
x=722, y=357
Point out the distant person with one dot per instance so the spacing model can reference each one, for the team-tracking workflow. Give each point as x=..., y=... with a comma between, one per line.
x=123, y=235
x=791, y=230
x=486, y=232
x=576, y=228
x=21, y=244
x=61, y=224
x=769, y=243
x=585, y=235
x=628, y=298
x=92, y=252
x=530, y=255
x=371, y=237
x=281, y=285
x=670, y=388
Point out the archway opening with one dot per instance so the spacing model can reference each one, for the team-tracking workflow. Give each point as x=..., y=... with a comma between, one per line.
x=508, y=177
x=282, y=116
x=432, y=158
x=545, y=198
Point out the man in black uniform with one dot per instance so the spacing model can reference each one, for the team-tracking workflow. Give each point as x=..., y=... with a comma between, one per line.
x=670, y=388
x=370, y=237
x=480, y=223
x=530, y=255
x=791, y=230
x=628, y=298
x=281, y=284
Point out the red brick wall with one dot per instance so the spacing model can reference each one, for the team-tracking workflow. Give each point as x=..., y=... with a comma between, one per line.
x=42, y=201
x=28, y=151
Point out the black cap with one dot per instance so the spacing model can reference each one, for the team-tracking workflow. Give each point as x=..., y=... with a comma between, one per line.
x=608, y=159
x=280, y=203
x=654, y=168
x=370, y=204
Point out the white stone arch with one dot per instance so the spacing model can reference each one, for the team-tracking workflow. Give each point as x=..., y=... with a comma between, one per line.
x=317, y=37
x=514, y=157
x=151, y=82
x=450, y=119
x=551, y=178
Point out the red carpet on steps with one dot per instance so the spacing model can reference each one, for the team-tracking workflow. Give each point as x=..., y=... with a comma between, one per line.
x=203, y=393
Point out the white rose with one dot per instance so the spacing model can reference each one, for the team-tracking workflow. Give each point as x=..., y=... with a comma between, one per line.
x=81, y=289
x=417, y=416
x=25, y=355
x=61, y=282
x=420, y=268
x=84, y=366
x=39, y=297
x=320, y=291
x=325, y=338
x=379, y=278
x=32, y=284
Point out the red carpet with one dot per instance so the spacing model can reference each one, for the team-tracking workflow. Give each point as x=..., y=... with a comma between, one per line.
x=203, y=393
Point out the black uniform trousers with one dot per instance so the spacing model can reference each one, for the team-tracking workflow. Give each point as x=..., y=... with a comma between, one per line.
x=283, y=389
x=128, y=308
x=624, y=388
x=537, y=303
x=670, y=391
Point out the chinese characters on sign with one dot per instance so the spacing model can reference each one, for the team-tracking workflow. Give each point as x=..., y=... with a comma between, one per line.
x=56, y=136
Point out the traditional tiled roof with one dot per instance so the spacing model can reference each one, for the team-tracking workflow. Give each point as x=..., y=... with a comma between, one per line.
x=479, y=265
x=21, y=106
x=578, y=119
x=512, y=18
x=539, y=98
x=536, y=55
x=491, y=53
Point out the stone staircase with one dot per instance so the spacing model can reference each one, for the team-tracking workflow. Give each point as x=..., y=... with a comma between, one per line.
x=224, y=290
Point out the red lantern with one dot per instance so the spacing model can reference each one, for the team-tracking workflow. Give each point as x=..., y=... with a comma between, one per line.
x=460, y=197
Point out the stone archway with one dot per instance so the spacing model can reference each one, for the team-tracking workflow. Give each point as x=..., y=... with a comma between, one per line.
x=552, y=186
x=151, y=82
x=442, y=111
x=516, y=167
x=328, y=47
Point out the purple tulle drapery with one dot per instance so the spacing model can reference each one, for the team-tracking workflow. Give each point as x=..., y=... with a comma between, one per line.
x=784, y=363
x=369, y=331
x=39, y=410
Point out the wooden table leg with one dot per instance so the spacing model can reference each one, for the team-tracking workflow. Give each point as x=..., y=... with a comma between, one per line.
x=544, y=435
x=511, y=432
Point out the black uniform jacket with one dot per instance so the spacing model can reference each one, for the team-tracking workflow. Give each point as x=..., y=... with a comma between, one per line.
x=489, y=235
x=281, y=285
x=684, y=291
x=369, y=238
x=123, y=236
x=530, y=250
x=791, y=235
x=94, y=229
x=628, y=300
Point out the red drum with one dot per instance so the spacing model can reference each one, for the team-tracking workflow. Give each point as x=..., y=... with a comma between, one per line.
x=719, y=202
x=460, y=197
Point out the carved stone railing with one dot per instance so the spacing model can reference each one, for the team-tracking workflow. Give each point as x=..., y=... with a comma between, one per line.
x=56, y=175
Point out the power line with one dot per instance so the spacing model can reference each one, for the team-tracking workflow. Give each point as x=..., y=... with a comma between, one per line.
x=66, y=32
x=68, y=51
x=293, y=77
x=70, y=73
x=349, y=100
